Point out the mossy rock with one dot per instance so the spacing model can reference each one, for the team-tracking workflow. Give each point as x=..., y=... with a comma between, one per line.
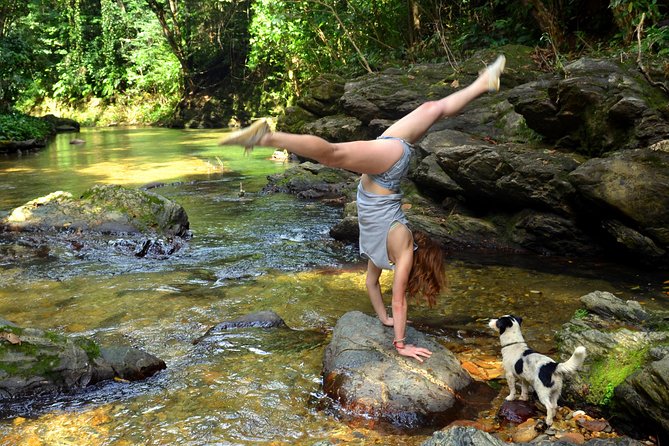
x=104, y=208
x=35, y=362
x=309, y=180
x=627, y=362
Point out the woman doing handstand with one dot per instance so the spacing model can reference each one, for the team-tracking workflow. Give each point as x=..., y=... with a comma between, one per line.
x=385, y=239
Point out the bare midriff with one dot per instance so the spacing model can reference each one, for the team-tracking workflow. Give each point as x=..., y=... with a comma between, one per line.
x=374, y=188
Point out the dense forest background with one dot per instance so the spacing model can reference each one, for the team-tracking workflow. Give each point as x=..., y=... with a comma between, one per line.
x=145, y=61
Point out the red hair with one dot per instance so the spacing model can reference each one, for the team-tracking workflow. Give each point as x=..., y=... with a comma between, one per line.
x=428, y=274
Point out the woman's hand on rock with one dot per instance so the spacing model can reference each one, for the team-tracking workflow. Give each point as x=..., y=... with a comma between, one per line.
x=411, y=351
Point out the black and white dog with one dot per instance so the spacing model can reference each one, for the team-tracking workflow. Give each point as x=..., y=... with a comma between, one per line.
x=532, y=368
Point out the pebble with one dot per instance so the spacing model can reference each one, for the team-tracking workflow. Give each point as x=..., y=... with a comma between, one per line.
x=572, y=437
x=525, y=432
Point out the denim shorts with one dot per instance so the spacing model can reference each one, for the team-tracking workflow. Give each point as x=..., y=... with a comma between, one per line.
x=390, y=179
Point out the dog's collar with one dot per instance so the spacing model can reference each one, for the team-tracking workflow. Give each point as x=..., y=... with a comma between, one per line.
x=513, y=343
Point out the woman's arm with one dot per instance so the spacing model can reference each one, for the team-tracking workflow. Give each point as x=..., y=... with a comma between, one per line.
x=400, y=249
x=374, y=292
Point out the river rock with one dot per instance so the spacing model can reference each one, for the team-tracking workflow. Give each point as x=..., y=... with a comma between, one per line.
x=598, y=107
x=260, y=319
x=630, y=186
x=609, y=306
x=643, y=399
x=364, y=374
x=468, y=436
x=103, y=208
x=62, y=124
x=311, y=180
x=35, y=362
x=626, y=373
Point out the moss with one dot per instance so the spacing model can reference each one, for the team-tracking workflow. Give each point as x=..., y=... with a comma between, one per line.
x=55, y=337
x=610, y=371
x=11, y=329
x=42, y=363
x=581, y=313
x=28, y=360
x=90, y=347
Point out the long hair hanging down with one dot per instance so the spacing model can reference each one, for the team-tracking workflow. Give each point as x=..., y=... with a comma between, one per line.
x=428, y=275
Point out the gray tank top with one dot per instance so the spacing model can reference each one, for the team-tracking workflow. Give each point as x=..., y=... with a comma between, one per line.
x=376, y=213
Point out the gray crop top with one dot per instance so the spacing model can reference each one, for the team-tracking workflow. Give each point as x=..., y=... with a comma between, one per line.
x=390, y=179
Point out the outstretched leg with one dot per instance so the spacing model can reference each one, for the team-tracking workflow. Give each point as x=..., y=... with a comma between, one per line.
x=376, y=156
x=413, y=126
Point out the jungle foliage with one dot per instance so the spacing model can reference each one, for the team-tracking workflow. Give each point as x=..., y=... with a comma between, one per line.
x=157, y=55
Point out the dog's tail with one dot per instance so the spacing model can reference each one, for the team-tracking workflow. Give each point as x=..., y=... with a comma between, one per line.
x=573, y=363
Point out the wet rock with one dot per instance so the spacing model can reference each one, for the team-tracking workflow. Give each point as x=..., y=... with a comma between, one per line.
x=468, y=436
x=309, y=180
x=461, y=436
x=129, y=221
x=47, y=363
x=609, y=306
x=126, y=363
x=260, y=319
x=571, y=437
x=346, y=230
x=103, y=208
x=525, y=432
x=517, y=411
x=621, y=375
x=364, y=373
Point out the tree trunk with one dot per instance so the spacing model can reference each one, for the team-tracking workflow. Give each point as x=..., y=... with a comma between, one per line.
x=169, y=22
x=548, y=21
x=414, y=22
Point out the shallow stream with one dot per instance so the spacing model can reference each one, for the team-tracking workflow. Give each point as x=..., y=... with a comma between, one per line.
x=257, y=252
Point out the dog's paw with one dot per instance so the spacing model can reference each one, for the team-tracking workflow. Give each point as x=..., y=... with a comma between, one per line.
x=510, y=397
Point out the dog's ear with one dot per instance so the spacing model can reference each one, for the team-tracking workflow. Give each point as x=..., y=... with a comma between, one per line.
x=518, y=319
x=503, y=323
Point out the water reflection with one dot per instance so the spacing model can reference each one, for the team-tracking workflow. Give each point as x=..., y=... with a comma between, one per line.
x=261, y=253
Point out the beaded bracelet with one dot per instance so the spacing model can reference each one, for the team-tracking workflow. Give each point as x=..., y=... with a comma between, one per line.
x=398, y=341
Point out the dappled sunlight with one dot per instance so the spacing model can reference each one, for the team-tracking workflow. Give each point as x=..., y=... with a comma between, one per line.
x=15, y=170
x=142, y=172
x=78, y=428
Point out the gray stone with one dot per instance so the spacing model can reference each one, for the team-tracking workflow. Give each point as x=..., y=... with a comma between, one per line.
x=365, y=374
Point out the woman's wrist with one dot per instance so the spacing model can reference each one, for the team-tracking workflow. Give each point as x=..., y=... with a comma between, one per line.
x=399, y=343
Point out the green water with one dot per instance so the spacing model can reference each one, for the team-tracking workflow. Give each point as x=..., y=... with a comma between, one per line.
x=260, y=252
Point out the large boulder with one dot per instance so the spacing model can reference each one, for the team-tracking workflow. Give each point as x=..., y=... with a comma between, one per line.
x=627, y=193
x=364, y=373
x=600, y=106
x=36, y=362
x=103, y=208
x=509, y=177
x=626, y=373
x=132, y=222
x=469, y=436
